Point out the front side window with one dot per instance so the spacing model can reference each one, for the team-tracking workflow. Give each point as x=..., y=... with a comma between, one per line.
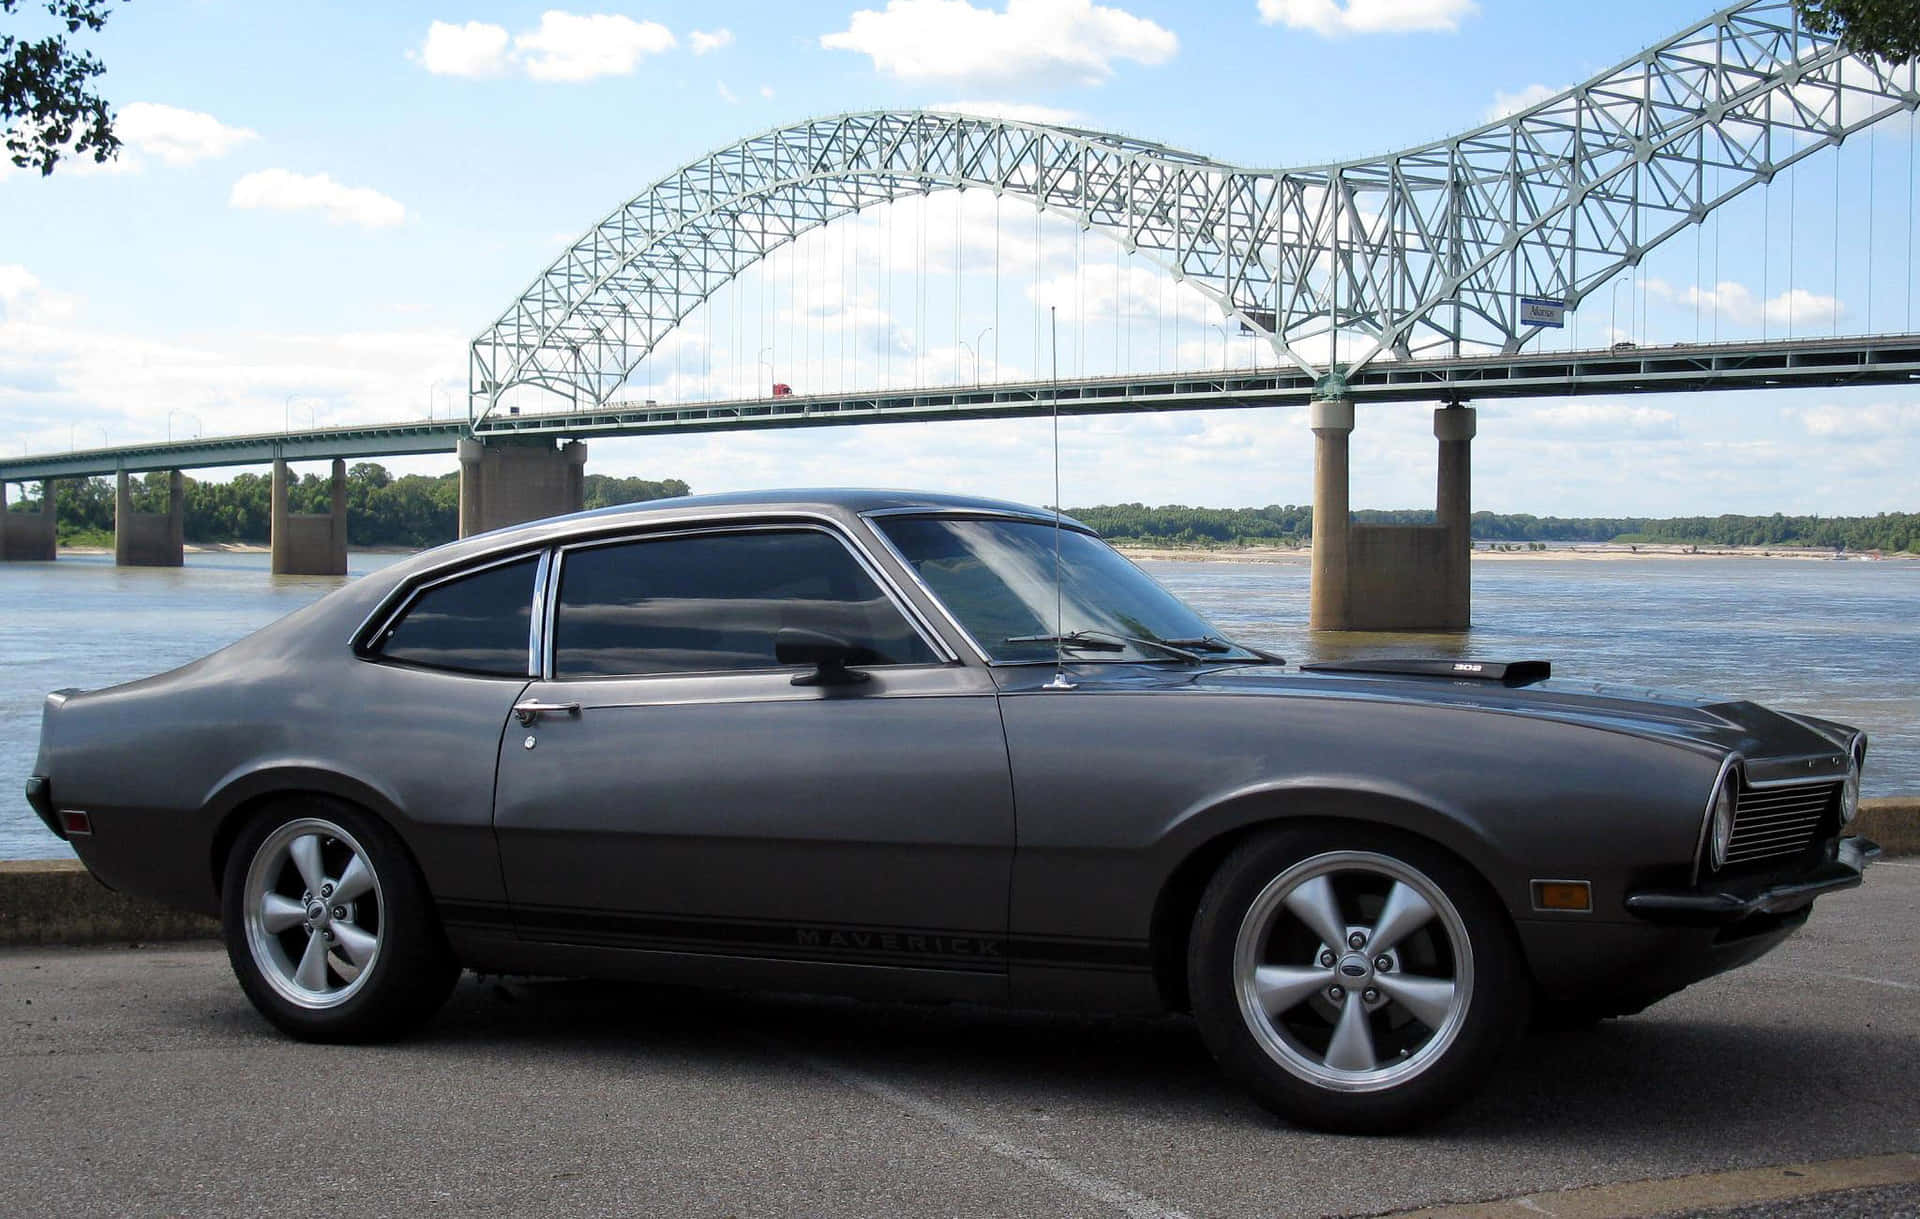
x=473, y=624
x=716, y=602
x=997, y=578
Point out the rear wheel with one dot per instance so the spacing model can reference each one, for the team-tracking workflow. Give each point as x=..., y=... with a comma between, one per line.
x=1354, y=980
x=329, y=925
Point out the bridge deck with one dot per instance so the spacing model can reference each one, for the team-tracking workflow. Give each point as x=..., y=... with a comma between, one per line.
x=1686, y=368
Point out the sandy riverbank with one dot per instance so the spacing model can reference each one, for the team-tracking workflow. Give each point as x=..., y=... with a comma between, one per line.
x=238, y=548
x=1584, y=552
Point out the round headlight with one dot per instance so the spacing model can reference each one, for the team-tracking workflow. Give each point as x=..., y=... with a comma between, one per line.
x=1850, y=791
x=1721, y=835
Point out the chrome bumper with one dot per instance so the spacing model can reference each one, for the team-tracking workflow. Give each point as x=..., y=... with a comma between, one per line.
x=1697, y=908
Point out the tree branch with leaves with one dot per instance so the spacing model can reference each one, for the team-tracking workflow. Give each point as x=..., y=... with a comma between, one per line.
x=1884, y=29
x=48, y=106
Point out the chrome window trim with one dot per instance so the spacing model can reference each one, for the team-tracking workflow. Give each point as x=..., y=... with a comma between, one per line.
x=537, y=623
x=368, y=637
x=914, y=575
x=889, y=589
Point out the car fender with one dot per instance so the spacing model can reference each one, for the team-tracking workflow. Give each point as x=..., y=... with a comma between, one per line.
x=227, y=803
x=1350, y=797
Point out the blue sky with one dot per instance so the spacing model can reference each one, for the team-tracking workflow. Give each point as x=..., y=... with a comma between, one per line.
x=320, y=207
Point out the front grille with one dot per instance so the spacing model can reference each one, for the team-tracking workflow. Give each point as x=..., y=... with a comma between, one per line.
x=1769, y=822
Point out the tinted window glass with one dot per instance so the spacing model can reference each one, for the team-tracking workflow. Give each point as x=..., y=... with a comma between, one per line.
x=476, y=624
x=685, y=605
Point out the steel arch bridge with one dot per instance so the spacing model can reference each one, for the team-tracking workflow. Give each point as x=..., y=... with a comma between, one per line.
x=1426, y=251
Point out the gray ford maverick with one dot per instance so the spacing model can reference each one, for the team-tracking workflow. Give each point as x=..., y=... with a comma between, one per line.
x=906, y=745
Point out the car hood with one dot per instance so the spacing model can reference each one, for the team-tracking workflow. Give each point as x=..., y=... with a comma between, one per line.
x=1774, y=745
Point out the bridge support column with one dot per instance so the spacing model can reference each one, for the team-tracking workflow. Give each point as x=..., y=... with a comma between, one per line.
x=1391, y=577
x=1454, y=427
x=1330, y=597
x=150, y=539
x=505, y=482
x=29, y=536
x=304, y=543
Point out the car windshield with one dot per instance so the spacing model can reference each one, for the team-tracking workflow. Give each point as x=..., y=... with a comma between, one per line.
x=996, y=577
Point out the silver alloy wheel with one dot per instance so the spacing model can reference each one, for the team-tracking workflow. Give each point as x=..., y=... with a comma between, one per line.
x=1325, y=968
x=315, y=918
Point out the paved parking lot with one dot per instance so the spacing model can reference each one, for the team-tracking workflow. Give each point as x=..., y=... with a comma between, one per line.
x=139, y=1082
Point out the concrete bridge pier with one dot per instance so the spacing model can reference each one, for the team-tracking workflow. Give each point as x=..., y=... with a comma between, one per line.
x=505, y=482
x=308, y=543
x=150, y=539
x=1391, y=577
x=29, y=536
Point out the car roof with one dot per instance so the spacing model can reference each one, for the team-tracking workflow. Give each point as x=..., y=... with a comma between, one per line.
x=829, y=501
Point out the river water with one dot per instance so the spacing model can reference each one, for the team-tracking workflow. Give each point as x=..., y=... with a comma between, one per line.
x=1840, y=639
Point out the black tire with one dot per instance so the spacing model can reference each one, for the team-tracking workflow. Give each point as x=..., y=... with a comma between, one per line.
x=394, y=987
x=1474, y=992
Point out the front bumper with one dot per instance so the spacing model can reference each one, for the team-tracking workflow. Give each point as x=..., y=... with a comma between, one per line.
x=1697, y=908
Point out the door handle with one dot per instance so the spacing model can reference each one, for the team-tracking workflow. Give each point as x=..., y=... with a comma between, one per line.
x=533, y=709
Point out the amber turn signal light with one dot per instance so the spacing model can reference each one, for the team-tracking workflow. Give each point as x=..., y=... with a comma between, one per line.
x=1571, y=895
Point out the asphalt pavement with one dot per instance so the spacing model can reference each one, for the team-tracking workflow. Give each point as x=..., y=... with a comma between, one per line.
x=138, y=1081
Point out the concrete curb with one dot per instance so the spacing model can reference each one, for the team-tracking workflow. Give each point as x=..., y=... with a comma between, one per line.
x=56, y=901
x=1891, y=821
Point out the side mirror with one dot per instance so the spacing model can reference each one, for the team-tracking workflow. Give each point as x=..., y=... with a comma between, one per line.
x=828, y=654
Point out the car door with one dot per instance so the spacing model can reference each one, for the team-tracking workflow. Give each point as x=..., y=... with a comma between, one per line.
x=686, y=795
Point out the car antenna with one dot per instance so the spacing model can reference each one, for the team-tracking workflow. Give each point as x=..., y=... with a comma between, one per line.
x=1059, y=681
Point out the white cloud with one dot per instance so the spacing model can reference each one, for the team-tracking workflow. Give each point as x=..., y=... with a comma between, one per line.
x=1019, y=112
x=563, y=47
x=56, y=371
x=567, y=47
x=703, y=41
x=1331, y=18
x=285, y=191
x=1506, y=105
x=474, y=49
x=1600, y=417
x=177, y=137
x=23, y=301
x=766, y=91
x=1032, y=41
x=1877, y=420
x=174, y=136
x=727, y=95
x=1736, y=303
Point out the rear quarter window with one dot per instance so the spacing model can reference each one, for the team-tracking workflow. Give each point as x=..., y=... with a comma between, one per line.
x=479, y=623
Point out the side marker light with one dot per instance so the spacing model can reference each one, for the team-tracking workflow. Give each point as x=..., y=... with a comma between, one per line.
x=1569, y=895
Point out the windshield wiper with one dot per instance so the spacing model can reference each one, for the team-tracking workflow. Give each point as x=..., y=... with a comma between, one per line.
x=1106, y=641
x=1213, y=643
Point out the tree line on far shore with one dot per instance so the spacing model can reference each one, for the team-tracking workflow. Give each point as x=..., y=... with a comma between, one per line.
x=1292, y=525
x=422, y=510
x=414, y=510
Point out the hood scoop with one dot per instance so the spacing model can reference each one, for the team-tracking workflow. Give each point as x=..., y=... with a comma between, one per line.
x=1507, y=673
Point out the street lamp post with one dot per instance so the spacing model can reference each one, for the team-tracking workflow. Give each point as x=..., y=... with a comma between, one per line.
x=979, y=345
x=768, y=365
x=1613, y=317
x=197, y=425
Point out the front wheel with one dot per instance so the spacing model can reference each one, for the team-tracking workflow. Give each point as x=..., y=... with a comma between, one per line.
x=329, y=926
x=1355, y=980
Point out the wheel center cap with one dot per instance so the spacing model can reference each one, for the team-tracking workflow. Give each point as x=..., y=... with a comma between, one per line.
x=1355, y=965
x=316, y=913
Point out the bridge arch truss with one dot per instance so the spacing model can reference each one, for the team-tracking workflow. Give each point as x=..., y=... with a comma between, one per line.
x=1427, y=250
